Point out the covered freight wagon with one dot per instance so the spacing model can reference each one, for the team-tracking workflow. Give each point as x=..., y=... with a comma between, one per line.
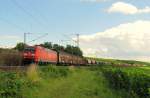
x=66, y=58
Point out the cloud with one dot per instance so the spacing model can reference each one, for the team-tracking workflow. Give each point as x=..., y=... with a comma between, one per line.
x=8, y=37
x=126, y=41
x=9, y=41
x=126, y=8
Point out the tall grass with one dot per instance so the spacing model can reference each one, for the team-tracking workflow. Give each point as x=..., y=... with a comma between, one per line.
x=32, y=73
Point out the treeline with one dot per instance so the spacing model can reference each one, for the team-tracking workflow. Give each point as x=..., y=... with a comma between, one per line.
x=69, y=48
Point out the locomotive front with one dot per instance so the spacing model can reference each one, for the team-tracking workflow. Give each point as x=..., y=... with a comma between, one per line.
x=29, y=54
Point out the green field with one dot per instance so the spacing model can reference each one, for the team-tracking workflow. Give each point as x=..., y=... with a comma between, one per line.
x=62, y=82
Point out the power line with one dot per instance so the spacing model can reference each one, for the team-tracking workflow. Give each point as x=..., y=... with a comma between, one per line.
x=68, y=38
x=27, y=12
x=38, y=37
x=25, y=38
x=77, y=41
x=41, y=15
x=12, y=23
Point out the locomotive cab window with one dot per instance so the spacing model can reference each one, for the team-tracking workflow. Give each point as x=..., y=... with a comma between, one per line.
x=30, y=49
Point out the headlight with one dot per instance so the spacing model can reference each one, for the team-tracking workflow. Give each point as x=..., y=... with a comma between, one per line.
x=25, y=54
x=32, y=54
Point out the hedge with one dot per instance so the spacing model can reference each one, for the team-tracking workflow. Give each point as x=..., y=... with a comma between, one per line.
x=135, y=83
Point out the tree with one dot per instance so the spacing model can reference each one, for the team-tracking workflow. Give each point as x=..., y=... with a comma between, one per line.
x=69, y=49
x=47, y=45
x=73, y=50
x=19, y=46
x=78, y=51
x=56, y=47
x=62, y=48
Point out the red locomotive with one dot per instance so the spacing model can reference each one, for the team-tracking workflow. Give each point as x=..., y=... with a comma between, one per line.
x=38, y=54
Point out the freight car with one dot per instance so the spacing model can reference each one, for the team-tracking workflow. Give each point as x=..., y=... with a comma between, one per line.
x=38, y=54
x=66, y=58
x=91, y=61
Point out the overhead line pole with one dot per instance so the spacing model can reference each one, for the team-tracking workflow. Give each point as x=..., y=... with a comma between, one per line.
x=78, y=41
x=78, y=45
x=25, y=39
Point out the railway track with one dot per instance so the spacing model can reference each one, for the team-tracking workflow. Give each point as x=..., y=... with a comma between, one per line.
x=13, y=68
x=24, y=68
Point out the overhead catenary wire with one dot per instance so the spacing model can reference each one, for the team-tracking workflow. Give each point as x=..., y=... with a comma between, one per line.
x=12, y=24
x=33, y=18
x=41, y=15
x=28, y=13
x=38, y=38
x=74, y=40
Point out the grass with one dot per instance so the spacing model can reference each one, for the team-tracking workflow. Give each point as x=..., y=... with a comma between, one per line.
x=66, y=82
x=79, y=83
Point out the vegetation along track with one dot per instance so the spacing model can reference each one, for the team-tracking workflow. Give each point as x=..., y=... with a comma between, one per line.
x=13, y=68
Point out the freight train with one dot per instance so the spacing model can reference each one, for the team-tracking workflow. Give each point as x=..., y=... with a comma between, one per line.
x=40, y=55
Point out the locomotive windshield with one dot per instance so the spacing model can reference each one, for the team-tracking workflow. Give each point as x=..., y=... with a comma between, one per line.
x=29, y=49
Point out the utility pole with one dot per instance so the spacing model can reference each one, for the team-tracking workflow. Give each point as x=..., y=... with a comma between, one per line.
x=78, y=41
x=25, y=35
x=25, y=39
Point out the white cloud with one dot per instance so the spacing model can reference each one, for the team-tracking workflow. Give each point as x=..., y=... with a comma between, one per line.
x=126, y=41
x=126, y=8
x=8, y=37
x=9, y=41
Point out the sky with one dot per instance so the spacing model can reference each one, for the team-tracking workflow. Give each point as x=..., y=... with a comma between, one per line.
x=108, y=28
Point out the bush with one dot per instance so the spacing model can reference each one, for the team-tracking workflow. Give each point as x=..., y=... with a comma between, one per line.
x=10, y=85
x=136, y=84
x=52, y=71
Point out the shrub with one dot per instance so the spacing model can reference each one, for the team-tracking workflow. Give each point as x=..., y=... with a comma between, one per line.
x=10, y=85
x=136, y=84
x=52, y=71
